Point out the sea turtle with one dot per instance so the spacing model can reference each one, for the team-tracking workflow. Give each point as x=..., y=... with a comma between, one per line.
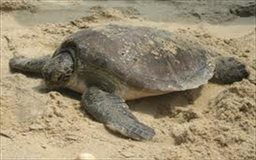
x=110, y=64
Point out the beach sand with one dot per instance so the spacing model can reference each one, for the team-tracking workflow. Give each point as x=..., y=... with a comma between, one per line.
x=213, y=122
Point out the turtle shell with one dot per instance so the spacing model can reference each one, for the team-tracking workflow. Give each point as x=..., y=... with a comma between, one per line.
x=142, y=57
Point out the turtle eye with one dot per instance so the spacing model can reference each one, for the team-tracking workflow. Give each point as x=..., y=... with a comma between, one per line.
x=69, y=72
x=60, y=78
x=65, y=79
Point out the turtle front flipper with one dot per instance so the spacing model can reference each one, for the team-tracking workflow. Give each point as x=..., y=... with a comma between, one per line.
x=28, y=65
x=112, y=110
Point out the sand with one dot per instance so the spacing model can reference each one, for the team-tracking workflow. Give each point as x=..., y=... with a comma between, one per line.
x=215, y=122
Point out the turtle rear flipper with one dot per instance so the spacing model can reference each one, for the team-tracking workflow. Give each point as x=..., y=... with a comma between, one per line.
x=229, y=70
x=114, y=113
x=28, y=65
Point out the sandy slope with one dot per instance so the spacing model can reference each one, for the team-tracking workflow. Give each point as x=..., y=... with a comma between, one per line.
x=212, y=122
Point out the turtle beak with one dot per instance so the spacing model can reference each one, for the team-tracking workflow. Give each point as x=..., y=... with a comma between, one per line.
x=52, y=85
x=53, y=80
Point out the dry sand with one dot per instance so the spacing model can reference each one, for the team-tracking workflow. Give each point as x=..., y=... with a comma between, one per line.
x=214, y=122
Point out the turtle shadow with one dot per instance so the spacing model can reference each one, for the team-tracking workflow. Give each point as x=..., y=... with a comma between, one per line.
x=164, y=105
x=65, y=92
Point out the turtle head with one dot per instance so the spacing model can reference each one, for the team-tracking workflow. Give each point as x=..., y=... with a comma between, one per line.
x=58, y=70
